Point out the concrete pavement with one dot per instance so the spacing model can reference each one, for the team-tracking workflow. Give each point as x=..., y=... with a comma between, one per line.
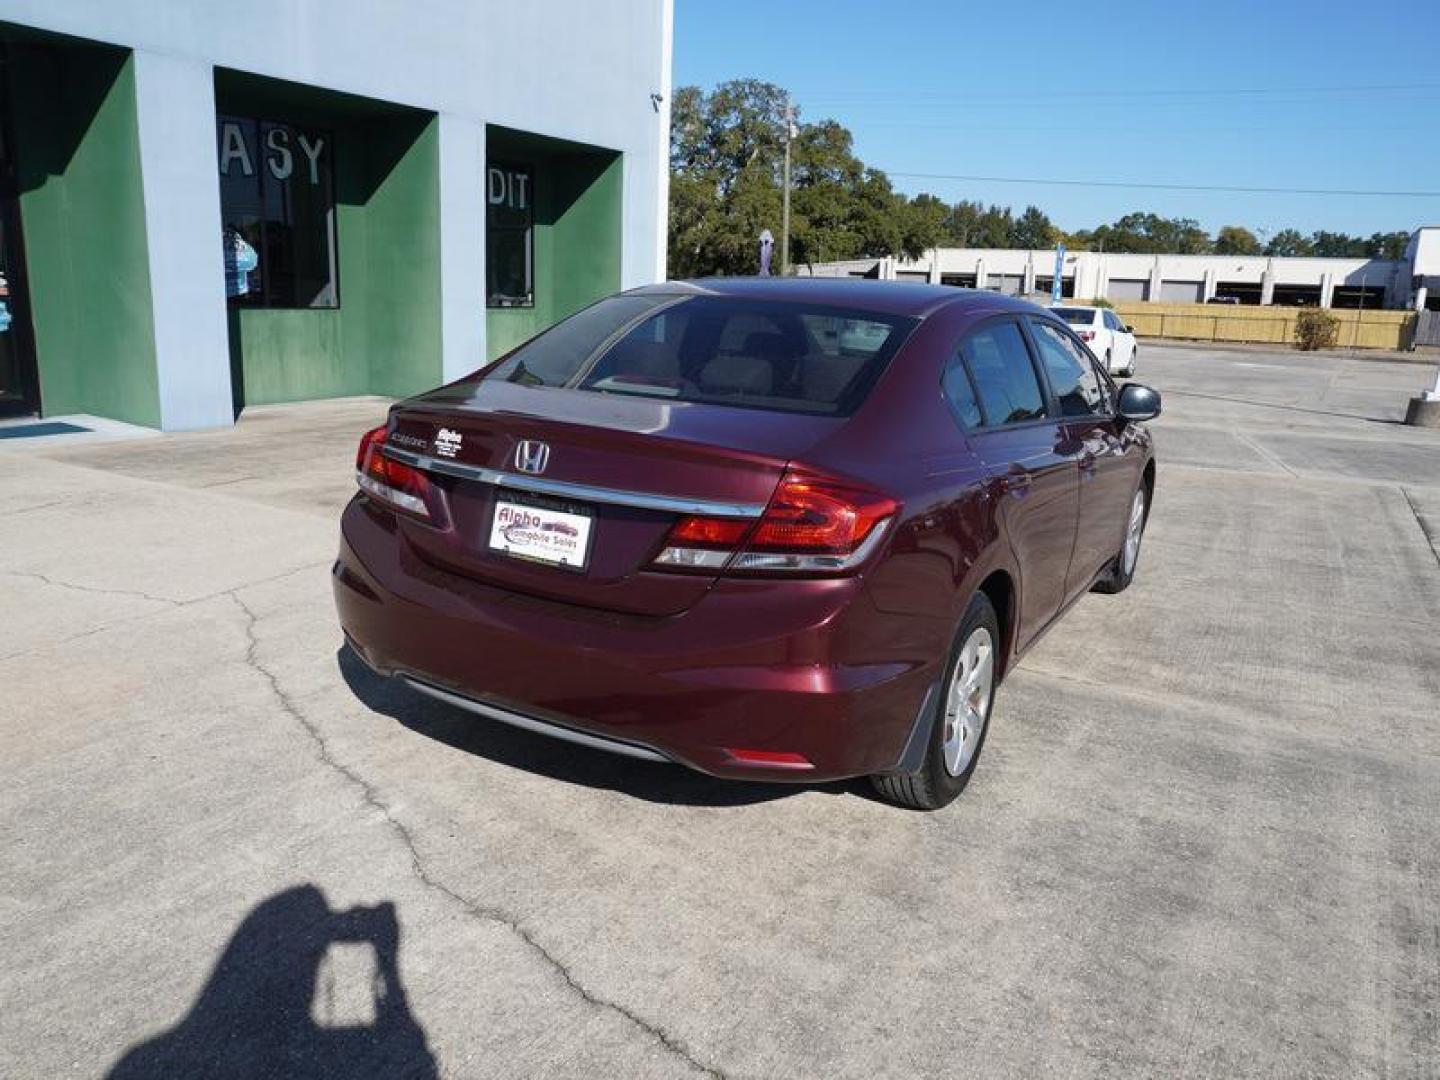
x=1201, y=841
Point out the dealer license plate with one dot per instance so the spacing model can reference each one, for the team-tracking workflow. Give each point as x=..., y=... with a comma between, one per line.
x=542, y=532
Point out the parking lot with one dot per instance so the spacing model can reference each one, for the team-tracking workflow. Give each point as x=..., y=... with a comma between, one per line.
x=1202, y=840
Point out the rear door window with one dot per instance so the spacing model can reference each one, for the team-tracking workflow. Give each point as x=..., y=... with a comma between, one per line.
x=1078, y=389
x=1002, y=375
x=960, y=392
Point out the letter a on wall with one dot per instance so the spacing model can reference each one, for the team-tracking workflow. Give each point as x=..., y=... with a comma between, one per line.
x=232, y=146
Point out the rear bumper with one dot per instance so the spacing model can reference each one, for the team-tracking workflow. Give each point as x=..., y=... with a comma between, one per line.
x=793, y=667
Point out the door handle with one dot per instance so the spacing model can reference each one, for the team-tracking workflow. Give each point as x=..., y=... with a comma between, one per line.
x=1016, y=483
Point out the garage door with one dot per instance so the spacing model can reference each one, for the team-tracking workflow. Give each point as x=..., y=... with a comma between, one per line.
x=1126, y=289
x=1183, y=292
x=1009, y=284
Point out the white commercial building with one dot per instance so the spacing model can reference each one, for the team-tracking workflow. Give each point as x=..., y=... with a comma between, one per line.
x=205, y=205
x=1411, y=282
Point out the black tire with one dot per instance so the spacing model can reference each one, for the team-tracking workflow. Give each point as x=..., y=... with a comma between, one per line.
x=1118, y=576
x=1134, y=354
x=1107, y=361
x=932, y=786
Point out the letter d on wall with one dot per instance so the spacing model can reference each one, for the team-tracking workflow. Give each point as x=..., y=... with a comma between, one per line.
x=498, y=186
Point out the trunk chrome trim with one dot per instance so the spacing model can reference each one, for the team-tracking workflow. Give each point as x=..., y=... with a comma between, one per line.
x=539, y=727
x=585, y=492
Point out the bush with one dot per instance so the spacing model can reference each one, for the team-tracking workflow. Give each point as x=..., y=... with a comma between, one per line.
x=1100, y=301
x=1316, y=329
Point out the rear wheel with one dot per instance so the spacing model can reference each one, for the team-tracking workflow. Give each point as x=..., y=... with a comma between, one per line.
x=1122, y=571
x=1130, y=371
x=959, y=718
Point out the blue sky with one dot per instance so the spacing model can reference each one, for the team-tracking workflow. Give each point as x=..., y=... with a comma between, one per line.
x=1261, y=94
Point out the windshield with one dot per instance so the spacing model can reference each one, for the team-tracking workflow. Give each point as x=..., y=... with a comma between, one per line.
x=745, y=353
x=1076, y=316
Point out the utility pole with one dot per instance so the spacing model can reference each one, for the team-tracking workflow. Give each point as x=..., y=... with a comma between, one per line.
x=1355, y=337
x=785, y=212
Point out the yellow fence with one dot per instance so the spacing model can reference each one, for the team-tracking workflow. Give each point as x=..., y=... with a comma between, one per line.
x=1275, y=325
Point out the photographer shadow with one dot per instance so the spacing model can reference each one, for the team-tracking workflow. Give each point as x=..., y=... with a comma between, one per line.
x=284, y=1002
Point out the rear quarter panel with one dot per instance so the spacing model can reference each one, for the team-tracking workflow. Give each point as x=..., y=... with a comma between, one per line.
x=948, y=536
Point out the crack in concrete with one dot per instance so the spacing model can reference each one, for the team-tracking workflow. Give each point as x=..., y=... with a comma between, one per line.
x=1264, y=452
x=134, y=593
x=1425, y=529
x=36, y=507
x=166, y=600
x=169, y=603
x=1278, y=405
x=371, y=797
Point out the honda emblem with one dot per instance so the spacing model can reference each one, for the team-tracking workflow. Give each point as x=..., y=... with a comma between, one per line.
x=531, y=456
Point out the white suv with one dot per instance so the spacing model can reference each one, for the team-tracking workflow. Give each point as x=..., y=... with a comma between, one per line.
x=1109, y=339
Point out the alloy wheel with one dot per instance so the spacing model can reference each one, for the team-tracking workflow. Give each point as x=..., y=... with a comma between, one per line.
x=968, y=701
x=1134, y=531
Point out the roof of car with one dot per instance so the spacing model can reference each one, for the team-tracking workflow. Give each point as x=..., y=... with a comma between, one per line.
x=906, y=298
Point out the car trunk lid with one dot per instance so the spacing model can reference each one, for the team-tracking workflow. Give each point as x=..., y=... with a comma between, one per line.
x=629, y=466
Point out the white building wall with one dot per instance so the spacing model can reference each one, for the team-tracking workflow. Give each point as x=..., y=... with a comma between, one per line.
x=462, y=244
x=175, y=112
x=1424, y=252
x=1095, y=272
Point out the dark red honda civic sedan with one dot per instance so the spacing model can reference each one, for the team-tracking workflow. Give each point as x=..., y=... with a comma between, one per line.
x=770, y=529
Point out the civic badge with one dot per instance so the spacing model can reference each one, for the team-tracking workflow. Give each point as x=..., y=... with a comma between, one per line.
x=447, y=442
x=531, y=456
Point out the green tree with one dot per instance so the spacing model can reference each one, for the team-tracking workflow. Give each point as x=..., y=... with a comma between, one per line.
x=726, y=153
x=1236, y=240
x=1033, y=230
x=1336, y=245
x=924, y=218
x=1389, y=245
x=962, y=224
x=1147, y=234
x=1289, y=242
x=725, y=150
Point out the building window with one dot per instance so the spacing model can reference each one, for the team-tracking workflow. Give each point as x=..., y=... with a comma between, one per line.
x=1045, y=282
x=277, y=206
x=510, y=236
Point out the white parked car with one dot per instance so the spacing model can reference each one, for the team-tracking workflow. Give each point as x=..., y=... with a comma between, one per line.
x=1112, y=342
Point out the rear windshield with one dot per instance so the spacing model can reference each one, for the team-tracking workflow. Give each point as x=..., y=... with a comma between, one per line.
x=1075, y=316
x=752, y=354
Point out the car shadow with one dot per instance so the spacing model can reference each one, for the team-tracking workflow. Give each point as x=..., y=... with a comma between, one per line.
x=300, y=991
x=554, y=758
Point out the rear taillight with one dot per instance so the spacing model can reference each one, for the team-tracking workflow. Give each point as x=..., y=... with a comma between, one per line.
x=812, y=525
x=1087, y=335
x=398, y=486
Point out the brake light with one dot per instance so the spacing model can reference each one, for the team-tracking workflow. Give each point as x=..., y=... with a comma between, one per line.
x=812, y=524
x=709, y=532
x=1087, y=335
x=399, y=486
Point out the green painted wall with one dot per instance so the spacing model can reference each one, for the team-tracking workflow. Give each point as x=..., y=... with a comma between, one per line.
x=384, y=338
x=83, y=214
x=587, y=233
x=402, y=268
x=577, y=233
x=288, y=355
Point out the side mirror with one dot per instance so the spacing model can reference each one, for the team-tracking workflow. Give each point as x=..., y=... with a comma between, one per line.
x=1139, y=402
x=1129, y=329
